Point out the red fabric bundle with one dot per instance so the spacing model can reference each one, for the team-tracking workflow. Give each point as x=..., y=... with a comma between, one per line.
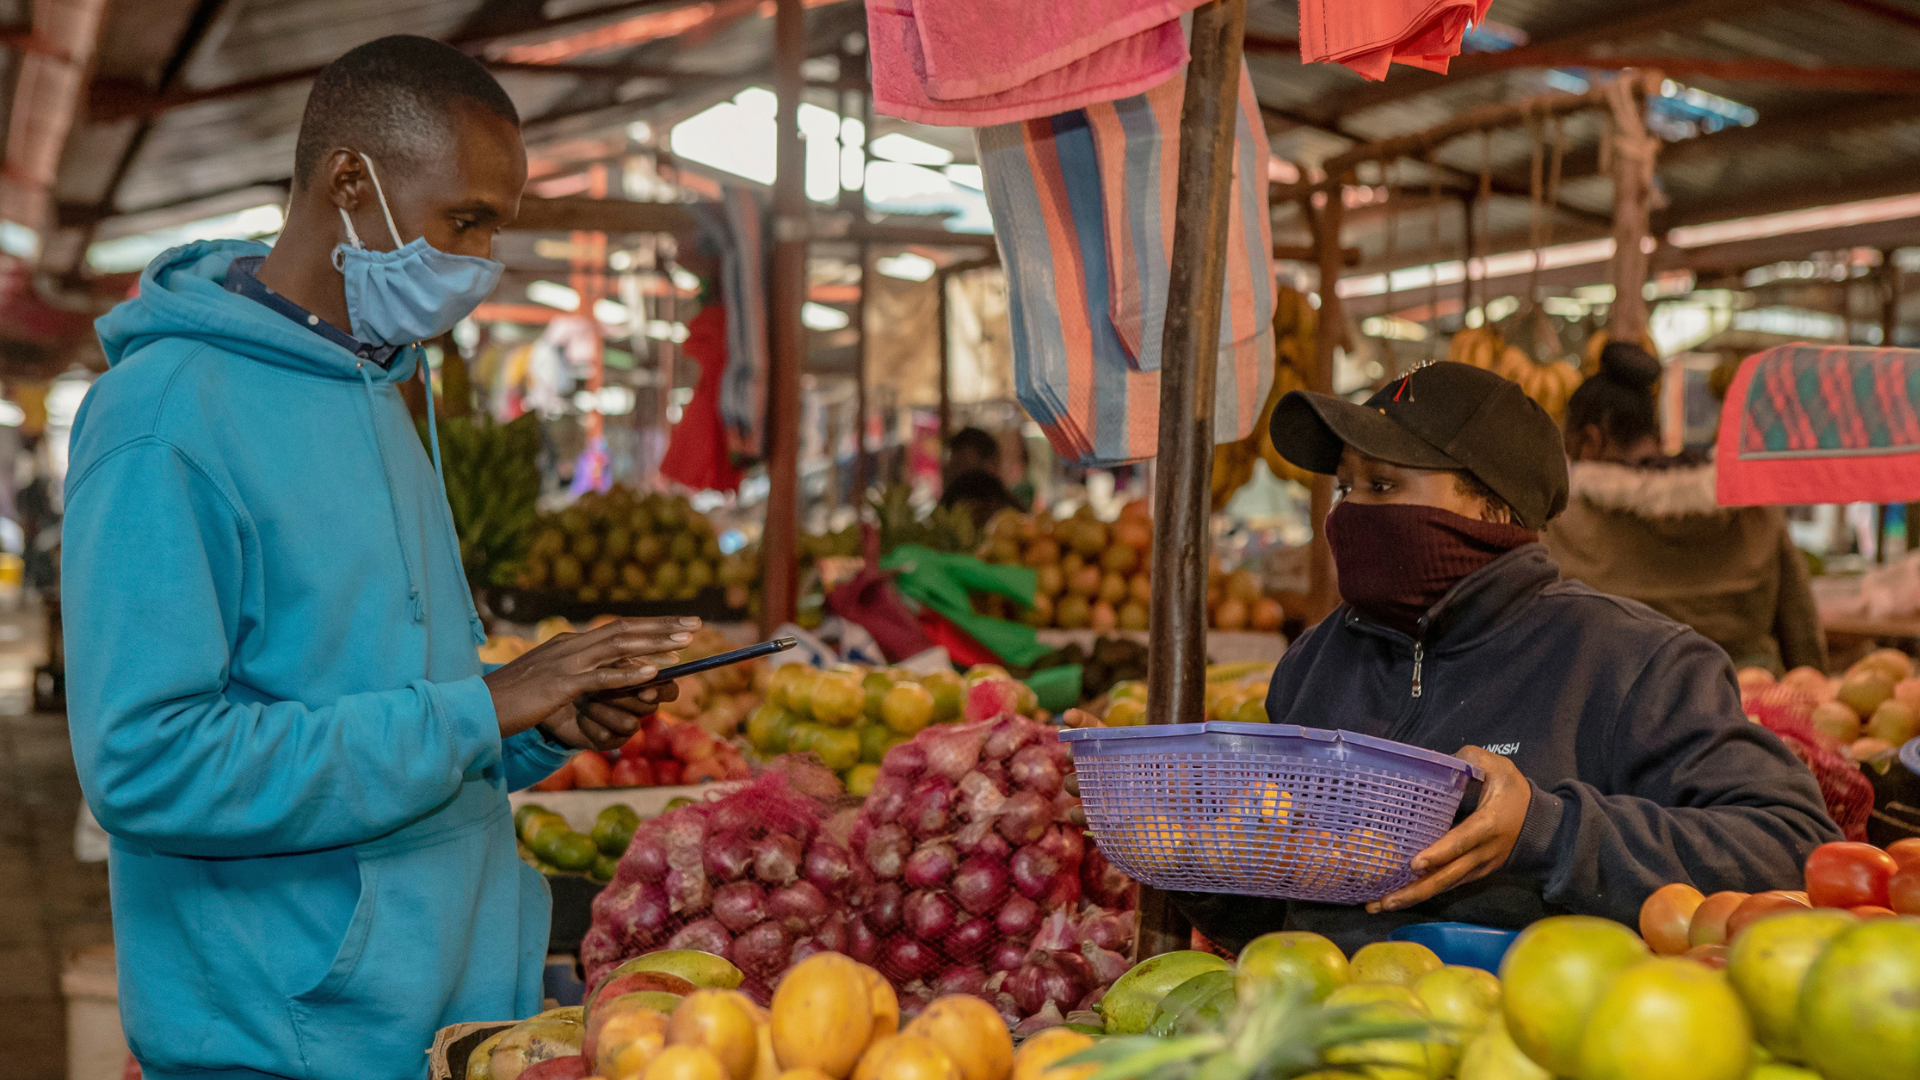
x=1368, y=35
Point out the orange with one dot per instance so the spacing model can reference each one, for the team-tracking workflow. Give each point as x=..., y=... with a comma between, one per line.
x=907, y=708
x=714, y=1019
x=1667, y=1017
x=1857, y=1014
x=624, y=1039
x=906, y=1057
x=972, y=1034
x=1040, y=1055
x=1401, y=963
x=823, y=1015
x=838, y=698
x=685, y=1063
x=1290, y=957
x=1767, y=965
x=1554, y=975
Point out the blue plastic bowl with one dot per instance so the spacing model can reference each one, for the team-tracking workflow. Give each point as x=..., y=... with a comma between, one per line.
x=1910, y=756
x=1463, y=944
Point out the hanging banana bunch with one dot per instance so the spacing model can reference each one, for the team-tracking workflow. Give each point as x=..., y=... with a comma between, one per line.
x=1294, y=325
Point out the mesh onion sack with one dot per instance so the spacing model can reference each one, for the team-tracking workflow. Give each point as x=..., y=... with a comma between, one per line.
x=969, y=875
x=759, y=876
x=1787, y=713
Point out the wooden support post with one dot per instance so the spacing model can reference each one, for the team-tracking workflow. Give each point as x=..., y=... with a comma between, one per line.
x=1469, y=202
x=862, y=469
x=1177, y=657
x=946, y=357
x=1633, y=149
x=1323, y=591
x=1890, y=285
x=780, y=548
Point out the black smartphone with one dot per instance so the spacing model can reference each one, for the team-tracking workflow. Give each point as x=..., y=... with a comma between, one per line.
x=707, y=663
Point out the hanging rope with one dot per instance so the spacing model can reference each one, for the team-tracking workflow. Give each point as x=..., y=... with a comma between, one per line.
x=1484, y=212
x=1433, y=268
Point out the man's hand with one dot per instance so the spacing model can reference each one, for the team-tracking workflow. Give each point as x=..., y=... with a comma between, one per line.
x=546, y=684
x=1477, y=846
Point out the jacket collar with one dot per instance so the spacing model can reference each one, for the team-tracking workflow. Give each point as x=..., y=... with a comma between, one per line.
x=1479, y=605
x=1671, y=492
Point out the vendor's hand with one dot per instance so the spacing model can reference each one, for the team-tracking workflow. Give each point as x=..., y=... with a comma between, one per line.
x=1477, y=846
x=604, y=725
x=553, y=676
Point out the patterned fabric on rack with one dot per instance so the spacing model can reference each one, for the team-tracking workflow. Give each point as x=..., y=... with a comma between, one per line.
x=1083, y=208
x=1821, y=424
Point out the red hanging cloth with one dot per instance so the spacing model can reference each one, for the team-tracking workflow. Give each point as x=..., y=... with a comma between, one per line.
x=697, y=450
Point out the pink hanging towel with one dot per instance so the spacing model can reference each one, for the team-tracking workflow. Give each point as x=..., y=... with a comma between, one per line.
x=1368, y=35
x=1128, y=66
x=974, y=48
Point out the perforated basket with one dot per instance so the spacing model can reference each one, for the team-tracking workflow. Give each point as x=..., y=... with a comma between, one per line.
x=1264, y=809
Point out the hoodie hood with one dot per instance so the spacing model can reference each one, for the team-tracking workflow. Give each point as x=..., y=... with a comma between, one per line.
x=1685, y=491
x=183, y=295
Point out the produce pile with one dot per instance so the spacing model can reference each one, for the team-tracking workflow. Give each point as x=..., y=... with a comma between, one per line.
x=1090, y=574
x=971, y=875
x=620, y=546
x=759, y=876
x=1871, y=710
x=849, y=716
x=1111, y=660
x=1235, y=692
x=548, y=844
x=680, y=1016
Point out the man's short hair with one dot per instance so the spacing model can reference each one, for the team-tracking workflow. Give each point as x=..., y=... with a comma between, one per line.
x=393, y=100
x=974, y=441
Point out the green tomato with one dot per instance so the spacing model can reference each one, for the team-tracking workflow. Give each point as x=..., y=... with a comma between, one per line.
x=837, y=748
x=874, y=741
x=603, y=868
x=574, y=853
x=613, y=829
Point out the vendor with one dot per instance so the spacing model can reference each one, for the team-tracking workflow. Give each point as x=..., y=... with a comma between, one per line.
x=971, y=477
x=1615, y=753
x=1646, y=526
x=275, y=702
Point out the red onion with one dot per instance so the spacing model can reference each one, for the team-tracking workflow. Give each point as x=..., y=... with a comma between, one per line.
x=703, y=935
x=776, y=858
x=1018, y=917
x=930, y=866
x=1106, y=929
x=1104, y=883
x=995, y=771
x=862, y=943
x=1066, y=844
x=646, y=857
x=1024, y=817
x=1033, y=871
x=928, y=915
x=1008, y=736
x=886, y=850
x=1056, y=935
x=1093, y=998
x=1065, y=894
x=907, y=958
x=906, y=759
x=926, y=812
x=687, y=892
x=728, y=855
x=1064, y=805
x=1107, y=965
x=1045, y=979
x=763, y=950
x=952, y=750
x=828, y=865
x=800, y=906
x=1047, y=1017
x=1006, y=956
x=805, y=947
x=1008, y=1009
x=599, y=950
x=1076, y=965
x=914, y=1001
x=961, y=979
x=979, y=838
x=758, y=991
x=883, y=906
x=887, y=799
x=979, y=885
x=970, y=939
x=739, y=904
x=832, y=933
x=977, y=797
x=1062, y=750
x=1033, y=768
x=731, y=815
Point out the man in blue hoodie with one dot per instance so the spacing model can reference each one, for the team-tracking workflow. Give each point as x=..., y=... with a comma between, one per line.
x=276, y=705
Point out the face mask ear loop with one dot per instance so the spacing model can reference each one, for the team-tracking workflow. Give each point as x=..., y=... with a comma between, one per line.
x=392, y=229
x=339, y=257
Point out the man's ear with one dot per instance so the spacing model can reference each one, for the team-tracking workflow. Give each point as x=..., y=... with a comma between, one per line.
x=343, y=177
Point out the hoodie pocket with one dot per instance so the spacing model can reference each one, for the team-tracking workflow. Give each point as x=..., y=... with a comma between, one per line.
x=434, y=939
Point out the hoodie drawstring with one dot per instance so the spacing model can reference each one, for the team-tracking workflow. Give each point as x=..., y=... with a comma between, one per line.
x=415, y=606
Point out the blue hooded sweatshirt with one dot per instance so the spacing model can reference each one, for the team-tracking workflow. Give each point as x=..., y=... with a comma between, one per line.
x=276, y=704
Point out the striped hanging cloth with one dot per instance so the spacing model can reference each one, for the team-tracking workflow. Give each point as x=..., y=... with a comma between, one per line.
x=1083, y=208
x=1807, y=424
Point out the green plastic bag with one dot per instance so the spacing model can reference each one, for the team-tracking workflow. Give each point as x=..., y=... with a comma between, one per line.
x=943, y=580
x=1058, y=688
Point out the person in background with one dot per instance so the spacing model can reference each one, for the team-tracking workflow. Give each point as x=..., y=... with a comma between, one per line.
x=1646, y=526
x=972, y=476
x=1615, y=754
x=277, y=710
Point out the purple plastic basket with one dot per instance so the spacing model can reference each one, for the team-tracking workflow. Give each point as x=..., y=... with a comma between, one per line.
x=1264, y=809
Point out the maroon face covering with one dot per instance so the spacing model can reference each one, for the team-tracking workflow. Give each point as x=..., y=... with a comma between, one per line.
x=1397, y=560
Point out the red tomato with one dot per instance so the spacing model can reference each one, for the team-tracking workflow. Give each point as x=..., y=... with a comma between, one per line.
x=666, y=772
x=1665, y=916
x=1758, y=906
x=657, y=731
x=690, y=743
x=631, y=770
x=1709, y=925
x=561, y=779
x=1869, y=911
x=636, y=746
x=590, y=769
x=1848, y=875
x=703, y=770
x=1906, y=852
x=1903, y=891
x=1714, y=955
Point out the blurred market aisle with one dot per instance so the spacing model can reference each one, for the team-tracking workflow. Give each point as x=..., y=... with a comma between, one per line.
x=51, y=905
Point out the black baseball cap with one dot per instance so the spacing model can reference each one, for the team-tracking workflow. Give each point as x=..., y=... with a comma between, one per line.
x=1441, y=416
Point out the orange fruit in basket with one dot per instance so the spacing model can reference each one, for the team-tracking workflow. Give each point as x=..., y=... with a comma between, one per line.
x=971, y=1032
x=714, y=1019
x=1161, y=843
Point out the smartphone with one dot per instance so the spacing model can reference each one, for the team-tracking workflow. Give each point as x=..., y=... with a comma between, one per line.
x=708, y=663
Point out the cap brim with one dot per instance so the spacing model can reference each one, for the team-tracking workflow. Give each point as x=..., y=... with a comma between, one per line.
x=1310, y=430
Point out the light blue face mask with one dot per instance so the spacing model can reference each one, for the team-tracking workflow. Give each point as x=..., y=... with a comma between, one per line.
x=412, y=293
